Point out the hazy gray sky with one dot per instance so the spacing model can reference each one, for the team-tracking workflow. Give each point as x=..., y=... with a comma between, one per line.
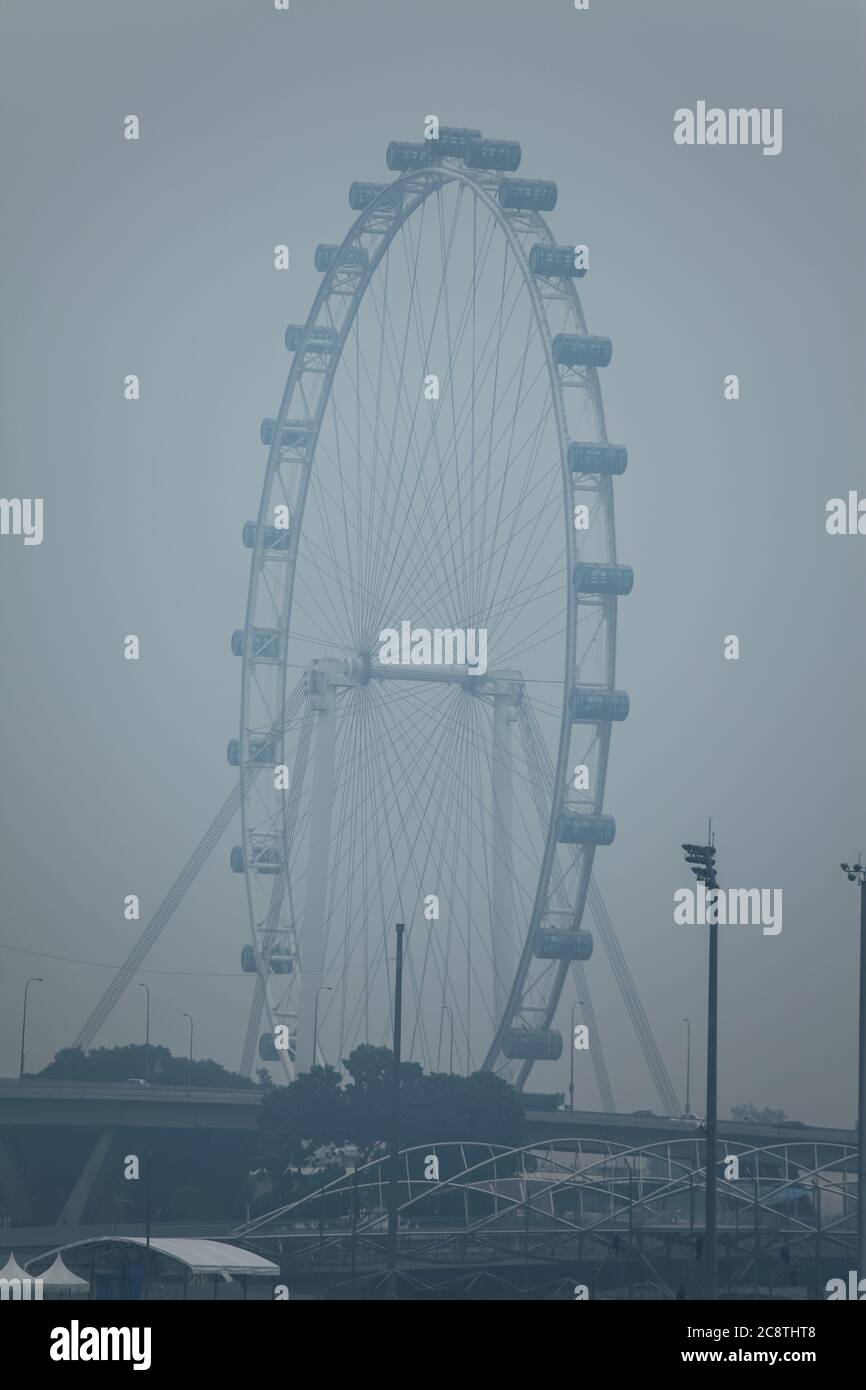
x=156, y=258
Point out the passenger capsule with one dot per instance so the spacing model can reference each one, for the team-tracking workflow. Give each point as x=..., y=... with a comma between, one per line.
x=293, y=433
x=536, y=195
x=533, y=1044
x=273, y=537
x=265, y=643
x=581, y=350
x=361, y=195
x=278, y=964
x=402, y=155
x=236, y=859
x=453, y=140
x=348, y=256
x=554, y=262
x=576, y=828
x=602, y=579
x=590, y=706
x=318, y=339
x=553, y=944
x=604, y=460
x=263, y=749
x=493, y=154
x=265, y=855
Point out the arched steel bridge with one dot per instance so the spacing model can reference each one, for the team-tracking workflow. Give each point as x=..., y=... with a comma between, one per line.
x=542, y=1219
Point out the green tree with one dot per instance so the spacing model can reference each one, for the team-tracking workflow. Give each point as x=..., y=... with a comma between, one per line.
x=153, y=1063
x=297, y=1122
x=481, y=1108
x=369, y=1097
x=302, y=1122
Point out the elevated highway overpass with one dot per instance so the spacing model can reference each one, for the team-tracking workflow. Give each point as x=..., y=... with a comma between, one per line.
x=96, y=1104
x=104, y=1120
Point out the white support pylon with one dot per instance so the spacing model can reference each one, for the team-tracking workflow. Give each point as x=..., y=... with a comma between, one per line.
x=325, y=676
x=502, y=905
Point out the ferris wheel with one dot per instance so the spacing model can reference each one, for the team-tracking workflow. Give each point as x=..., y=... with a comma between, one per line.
x=438, y=465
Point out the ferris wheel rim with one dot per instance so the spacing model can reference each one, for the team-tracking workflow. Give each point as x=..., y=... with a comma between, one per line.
x=423, y=183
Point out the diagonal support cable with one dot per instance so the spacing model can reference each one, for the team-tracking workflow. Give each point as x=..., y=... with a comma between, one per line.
x=631, y=998
x=175, y=895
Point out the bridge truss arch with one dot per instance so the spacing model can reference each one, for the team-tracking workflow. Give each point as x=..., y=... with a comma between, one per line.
x=579, y=1205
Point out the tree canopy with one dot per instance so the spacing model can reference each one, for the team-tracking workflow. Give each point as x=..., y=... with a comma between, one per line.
x=150, y=1063
x=766, y=1116
x=306, y=1123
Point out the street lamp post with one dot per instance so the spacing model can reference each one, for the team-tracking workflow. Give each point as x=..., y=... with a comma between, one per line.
x=572, y=1052
x=857, y=874
x=34, y=980
x=702, y=860
x=146, y=988
x=327, y=988
x=189, y=1059
x=687, y=1022
x=447, y=1009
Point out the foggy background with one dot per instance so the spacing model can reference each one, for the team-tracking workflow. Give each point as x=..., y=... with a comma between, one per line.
x=156, y=257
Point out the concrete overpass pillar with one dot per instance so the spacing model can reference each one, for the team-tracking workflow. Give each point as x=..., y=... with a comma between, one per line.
x=81, y=1193
x=15, y=1194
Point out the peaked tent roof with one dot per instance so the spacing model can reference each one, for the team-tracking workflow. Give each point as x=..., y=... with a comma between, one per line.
x=57, y=1276
x=13, y=1270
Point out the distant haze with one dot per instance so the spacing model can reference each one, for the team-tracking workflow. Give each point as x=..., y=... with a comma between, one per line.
x=156, y=258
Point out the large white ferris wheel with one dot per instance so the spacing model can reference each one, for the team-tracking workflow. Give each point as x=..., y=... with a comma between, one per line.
x=439, y=460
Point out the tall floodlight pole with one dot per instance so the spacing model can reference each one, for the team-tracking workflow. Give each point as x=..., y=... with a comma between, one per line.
x=34, y=980
x=688, y=1024
x=702, y=860
x=857, y=874
x=394, y=1180
x=501, y=786
x=322, y=680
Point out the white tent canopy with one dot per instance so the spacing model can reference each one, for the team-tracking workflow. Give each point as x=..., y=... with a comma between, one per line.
x=209, y=1256
x=13, y=1270
x=58, y=1279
